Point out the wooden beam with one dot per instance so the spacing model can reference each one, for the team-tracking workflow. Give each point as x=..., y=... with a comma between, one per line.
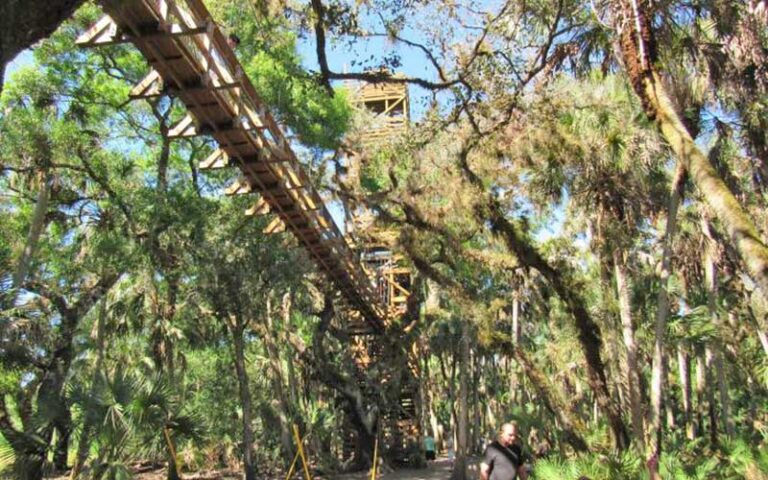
x=204, y=62
x=261, y=207
x=174, y=30
x=275, y=226
x=151, y=86
x=215, y=161
x=239, y=187
x=103, y=32
x=184, y=129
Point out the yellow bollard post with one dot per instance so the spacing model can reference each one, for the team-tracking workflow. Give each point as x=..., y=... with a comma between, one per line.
x=300, y=446
x=375, y=458
x=293, y=464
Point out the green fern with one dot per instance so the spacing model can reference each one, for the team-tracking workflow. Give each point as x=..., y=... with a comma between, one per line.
x=550, y=469
x=6, y=456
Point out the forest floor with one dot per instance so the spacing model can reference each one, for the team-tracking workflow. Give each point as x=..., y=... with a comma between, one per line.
x=437, y=470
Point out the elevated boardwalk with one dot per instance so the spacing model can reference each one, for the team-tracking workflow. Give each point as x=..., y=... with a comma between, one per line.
x=192, y=60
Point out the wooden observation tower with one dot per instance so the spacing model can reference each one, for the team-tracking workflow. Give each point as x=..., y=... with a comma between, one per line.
x=385, y=107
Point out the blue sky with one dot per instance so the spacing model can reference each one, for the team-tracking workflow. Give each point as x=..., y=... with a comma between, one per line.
x=22, y=59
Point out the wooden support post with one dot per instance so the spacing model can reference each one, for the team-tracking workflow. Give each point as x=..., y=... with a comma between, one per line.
x=239, y=187
x=260, y=208
x=184, y=129
x=215, y=161
x=151, y=86
x=275, y=226
x=103, y=32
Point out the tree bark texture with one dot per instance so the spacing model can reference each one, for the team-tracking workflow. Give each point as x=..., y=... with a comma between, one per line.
x=22, y=25
x=632, y=373
x=763, y=340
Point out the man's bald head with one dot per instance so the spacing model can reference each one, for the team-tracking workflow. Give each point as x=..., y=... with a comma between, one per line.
x=508, y=434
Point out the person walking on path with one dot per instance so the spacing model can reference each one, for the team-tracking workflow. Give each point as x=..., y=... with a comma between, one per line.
x=503, y=458
x=429, y=447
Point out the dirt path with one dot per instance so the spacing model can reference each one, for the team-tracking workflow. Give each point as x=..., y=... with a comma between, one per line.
x=438, y=470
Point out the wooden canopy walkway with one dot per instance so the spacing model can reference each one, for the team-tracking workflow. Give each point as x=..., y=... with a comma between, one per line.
x=192, y=60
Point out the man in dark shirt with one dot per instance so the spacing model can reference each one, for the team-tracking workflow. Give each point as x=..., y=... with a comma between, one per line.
x=503, y=458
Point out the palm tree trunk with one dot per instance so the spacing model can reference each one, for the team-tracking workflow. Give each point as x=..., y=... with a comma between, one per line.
x=709, y=393
x=173, y=462
x=684, y=369
x=714, y=352
x=477, y=403
x=429, y=385
x=245, y=400
x=35, y=228
x=293, y=381
x=628, y=333
x=705, y=398
x=614, y=370
x=280, y=404
x=638, y=48
x=449, y=392
x=462, y=437
x=658, y=373
x=669, y=406
x=84, y=444
x=514, y=383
